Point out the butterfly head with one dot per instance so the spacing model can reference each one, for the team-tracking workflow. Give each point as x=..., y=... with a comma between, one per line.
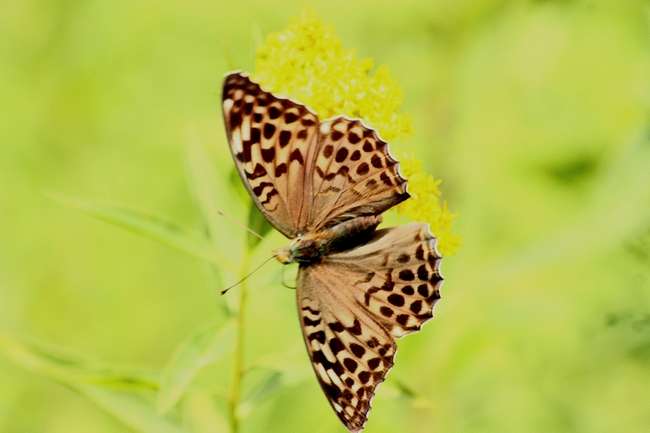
x=301, y=249
x=284, y=255
x=308, y=248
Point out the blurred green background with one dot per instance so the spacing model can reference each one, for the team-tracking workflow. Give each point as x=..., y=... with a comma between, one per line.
x=534, y=114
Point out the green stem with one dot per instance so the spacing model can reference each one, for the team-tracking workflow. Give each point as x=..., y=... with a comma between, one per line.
x=238, y=362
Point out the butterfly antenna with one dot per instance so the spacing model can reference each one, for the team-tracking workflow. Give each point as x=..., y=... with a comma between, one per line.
x=223, y=292
x=223, y=214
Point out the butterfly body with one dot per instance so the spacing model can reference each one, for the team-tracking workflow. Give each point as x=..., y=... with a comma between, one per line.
x=324, y=184
x=311, y=247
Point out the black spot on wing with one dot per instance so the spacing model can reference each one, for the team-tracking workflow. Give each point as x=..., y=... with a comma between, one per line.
x=374, y=363
x=290, y=117
x=311, y=310
x=376, y=161
x=341, y=155
x=386, y=311
x=419, y=253
x=336, y=346
x=396, y=299
x=373, y=342
x=406, y=275
x=280, y=169
x=363, y=169
x=358, y=350
x=259, y=189
x=258, y=172
x=423, y=273
x=318, y=336
x=269, y=196
x=296, y=156
x=274, y=112
x=284, y=138
x=235, y=120
x=269, y=130
x=309, y=322
x=255, y=136
x=268, y=155
x=408, y=290
x=350, y=364
x=384, y=178
x=355, y=328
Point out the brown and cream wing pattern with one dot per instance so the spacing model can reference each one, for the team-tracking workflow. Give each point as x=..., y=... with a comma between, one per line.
x=272, y=140
x=350, y=352
x=354, y=174
x=355, y=303
x=302, y=174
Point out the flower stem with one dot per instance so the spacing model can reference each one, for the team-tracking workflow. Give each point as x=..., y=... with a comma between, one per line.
x=238, y=361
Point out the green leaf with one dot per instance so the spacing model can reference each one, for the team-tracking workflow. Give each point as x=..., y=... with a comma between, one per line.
x=68, y=367
x=134, y=410
x=125, y=393
x=274, y=382
x=209, y=190
x=203, y=415
x=202, y=181
x=202, y=348
x=152, y=226
x=285, y=369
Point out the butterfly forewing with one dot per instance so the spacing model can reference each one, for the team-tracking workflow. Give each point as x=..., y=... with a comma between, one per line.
x=270, y=139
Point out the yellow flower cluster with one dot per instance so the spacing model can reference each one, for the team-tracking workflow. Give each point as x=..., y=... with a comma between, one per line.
x=306, y=61
x=424, y=204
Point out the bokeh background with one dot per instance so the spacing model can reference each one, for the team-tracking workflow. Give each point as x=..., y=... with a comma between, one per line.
x=535, y=114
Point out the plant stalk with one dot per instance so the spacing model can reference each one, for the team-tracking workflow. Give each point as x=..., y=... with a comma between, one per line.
x=238, y=361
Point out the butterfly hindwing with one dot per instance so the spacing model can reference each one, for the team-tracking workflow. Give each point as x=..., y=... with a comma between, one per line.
x=353, y=304
x=396, y=276
x=350, y=352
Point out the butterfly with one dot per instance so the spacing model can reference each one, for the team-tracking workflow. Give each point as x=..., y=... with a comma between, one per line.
x=324, y=184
